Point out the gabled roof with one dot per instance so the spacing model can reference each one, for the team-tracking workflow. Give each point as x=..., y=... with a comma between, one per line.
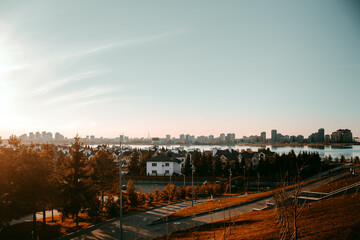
x=233, y=155
x=162, y=158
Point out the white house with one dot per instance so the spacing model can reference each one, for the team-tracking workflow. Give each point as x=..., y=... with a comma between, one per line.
x=162, y=165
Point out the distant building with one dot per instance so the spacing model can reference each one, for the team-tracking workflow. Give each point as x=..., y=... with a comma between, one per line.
x=327, y=138
x=321, y=135
x=318, y=137
x=273, y=135
x=58, y=137
x=31, y=136
x=222, y=138
x=230, y=138
x=263, y=137
x=37, y=136
x=342, y=136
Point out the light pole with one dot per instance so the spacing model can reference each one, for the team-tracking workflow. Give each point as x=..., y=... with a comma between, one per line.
x=244, y=178
x=184, y=177
x=229, y=206
x=121, y=228
x=192, y=185
x=230, y=181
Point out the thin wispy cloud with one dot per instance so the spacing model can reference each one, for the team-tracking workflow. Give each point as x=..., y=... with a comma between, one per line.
x=67, y=80
x=126, y=43
x=75, y=96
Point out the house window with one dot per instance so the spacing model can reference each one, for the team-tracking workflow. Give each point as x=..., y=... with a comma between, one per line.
x=154, y=172
x=167, y=164
x=154, y=164
x=167, y=171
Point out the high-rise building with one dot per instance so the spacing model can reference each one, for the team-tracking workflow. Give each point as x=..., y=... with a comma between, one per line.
x=273, y=135
x=321, y=135
x=222, y=138
x=230, y=138
x=263, y=137
x=58, y=137
x=31, y=136
x=37, y=136
x=342, y=136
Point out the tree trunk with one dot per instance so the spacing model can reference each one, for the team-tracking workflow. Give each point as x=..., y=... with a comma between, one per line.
x=77, y=219
x=52, y=215
x=34, y=226
x=44, y=218
x=102, y=199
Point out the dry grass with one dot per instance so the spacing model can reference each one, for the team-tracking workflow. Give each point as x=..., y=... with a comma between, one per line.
x=332, y=186
x=335, y=218
x=224, y=203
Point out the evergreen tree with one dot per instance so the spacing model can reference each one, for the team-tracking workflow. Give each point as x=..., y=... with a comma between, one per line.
x=196, y=162
x=187, y=167
x=73, y=177
x=103, y=172
x=209, y=163
x=218, y=171
x=134, y=165
x=132, y=195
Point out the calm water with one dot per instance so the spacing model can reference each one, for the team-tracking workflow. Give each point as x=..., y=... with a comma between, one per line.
x=347, y=152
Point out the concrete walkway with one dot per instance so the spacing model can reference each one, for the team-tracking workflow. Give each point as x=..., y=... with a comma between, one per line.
x=141, y=225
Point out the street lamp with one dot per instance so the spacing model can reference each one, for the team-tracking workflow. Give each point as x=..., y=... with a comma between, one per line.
x=121, y=228
x=230, y=179
x=192, y=184
x=181, y=174
x=244, y=178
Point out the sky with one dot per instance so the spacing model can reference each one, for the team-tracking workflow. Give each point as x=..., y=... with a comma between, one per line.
x=106, y=68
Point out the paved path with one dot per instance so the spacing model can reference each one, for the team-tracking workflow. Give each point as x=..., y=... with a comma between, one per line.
x=138, y=226
x=135, y=226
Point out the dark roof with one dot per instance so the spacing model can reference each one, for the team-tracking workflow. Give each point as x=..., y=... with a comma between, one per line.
x=178, y=155
x=162, y=158
x=233, y=155
x=267, y=151
x=246, y=155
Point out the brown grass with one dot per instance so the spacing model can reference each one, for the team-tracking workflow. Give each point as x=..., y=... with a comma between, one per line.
x=332, y=186
x=335, y=218
x=224, y=203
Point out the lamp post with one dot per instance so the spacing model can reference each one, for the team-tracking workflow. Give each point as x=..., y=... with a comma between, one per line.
x=244, y=178
x=121, y=228
x=192, y=184
x=184, y=177
x=230, y=180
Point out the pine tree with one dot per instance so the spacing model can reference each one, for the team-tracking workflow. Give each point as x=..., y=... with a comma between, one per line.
x=218, y=171
x=103, y=172
x=187, y=167
x=134, y=165
x=73, y=178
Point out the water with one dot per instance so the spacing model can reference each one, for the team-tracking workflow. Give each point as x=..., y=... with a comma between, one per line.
x=323, y=151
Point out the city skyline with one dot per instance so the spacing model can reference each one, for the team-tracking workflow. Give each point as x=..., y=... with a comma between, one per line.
x=338, y=136
x=132, y=68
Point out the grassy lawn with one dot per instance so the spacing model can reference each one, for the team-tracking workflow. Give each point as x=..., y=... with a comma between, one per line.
x=334, y=218
x=52, y=229
x=332, y=186
x=56, y=228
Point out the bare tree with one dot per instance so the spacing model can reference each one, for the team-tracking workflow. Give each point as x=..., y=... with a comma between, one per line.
x=288, y=208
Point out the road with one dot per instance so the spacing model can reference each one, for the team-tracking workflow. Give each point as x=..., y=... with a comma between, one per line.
x=140, y=225
x=135, y=226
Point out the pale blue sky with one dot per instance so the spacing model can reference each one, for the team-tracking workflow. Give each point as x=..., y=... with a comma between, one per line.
x=200, y=67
